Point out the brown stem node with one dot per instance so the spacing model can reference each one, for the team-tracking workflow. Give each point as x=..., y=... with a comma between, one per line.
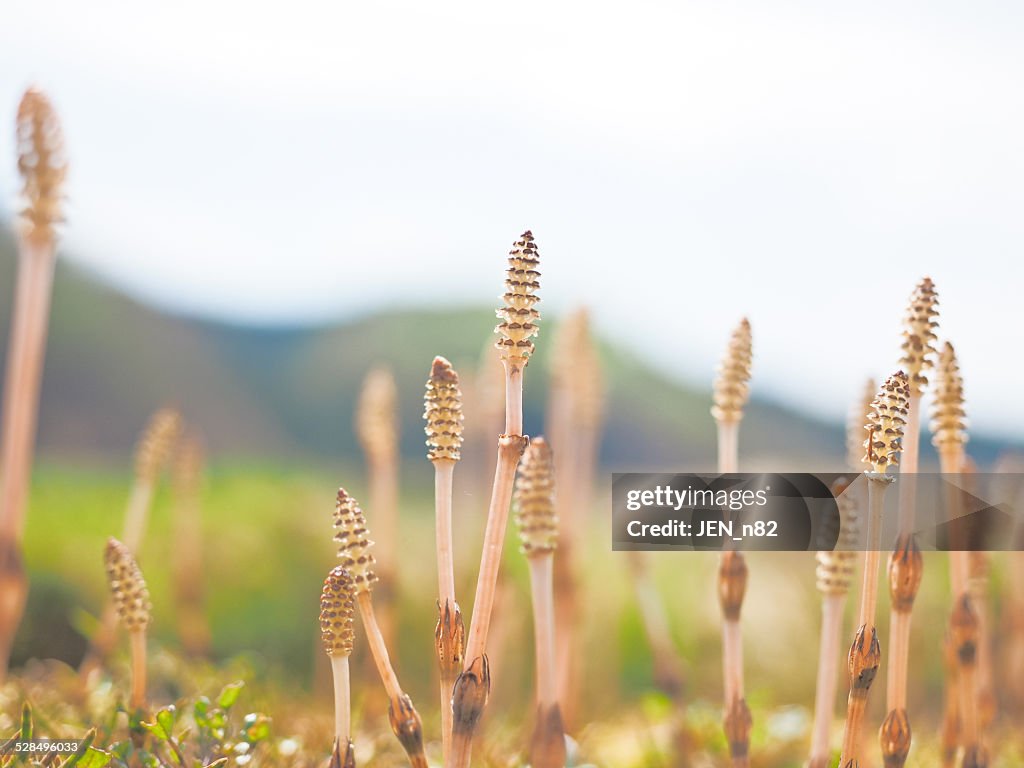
x=732, y=584
x=469, y=697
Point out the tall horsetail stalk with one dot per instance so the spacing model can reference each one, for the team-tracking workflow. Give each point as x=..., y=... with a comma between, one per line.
x=538, y=532
x=519, y=318
x=906, y=565
x=978, y=583
x=43, y=167
x=337, y=616
x=443, y=413
x=731, y=392
x=152, y=451
x=354, y=551
x=883, y=446
x=574, y=416
x=154, y=448
x=834, y=575
x=949, y=435
x=131, y=601
x=377, y=430
x=193, y=627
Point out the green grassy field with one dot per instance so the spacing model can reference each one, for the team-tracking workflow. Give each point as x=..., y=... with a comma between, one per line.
x=268, y=545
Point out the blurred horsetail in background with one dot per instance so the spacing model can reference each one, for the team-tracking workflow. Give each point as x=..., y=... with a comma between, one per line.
x=43, y=168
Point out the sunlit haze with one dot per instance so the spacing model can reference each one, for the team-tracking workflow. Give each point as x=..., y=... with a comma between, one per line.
x=680, y=164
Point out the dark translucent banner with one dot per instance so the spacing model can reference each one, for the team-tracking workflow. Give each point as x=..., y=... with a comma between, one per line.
x=811, y=512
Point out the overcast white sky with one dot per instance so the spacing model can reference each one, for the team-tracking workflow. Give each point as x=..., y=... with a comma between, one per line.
x=680, y=163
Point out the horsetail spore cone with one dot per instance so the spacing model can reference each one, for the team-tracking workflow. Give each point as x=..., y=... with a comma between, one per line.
x=154, y=448
x=376, y=416
x=860, y=412
x=156, y=443
x=732, y=385
x=519, y=325
x=535, y=500
x=538, y=532
x=519, y=315
x=949, y=421
x=42, y=164
x=442, y=411
x=131, y=600
x=353, y=540
x=919, y=334
x=337, y=613
x=886, y=422
x=354, y=545
x=128, y=587
x=337, y=617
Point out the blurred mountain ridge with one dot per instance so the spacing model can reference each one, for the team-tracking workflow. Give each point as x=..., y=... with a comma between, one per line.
x=290, y=392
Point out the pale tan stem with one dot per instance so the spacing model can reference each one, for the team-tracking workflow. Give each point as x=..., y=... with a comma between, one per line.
x=510, y=448
x=383, y=482
x=542, y=586
x=445, y=691
x=732, y=659
x=342, y=699
x=575, y=481
x=548, y=745
x=900, y=616
x=732, y=634
x=443, y=475
x=29, y=322
x=378, y=648
x=851, y=736
x=828, y=677
x=899, y=652
x=137, y=639
x=728, y=446
x=514, y=369
x=968, y=704
x=136, y=514
x=908, y=466
x=860, y=686
x=652, y=614
x=951, y=459
x=877, y=486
